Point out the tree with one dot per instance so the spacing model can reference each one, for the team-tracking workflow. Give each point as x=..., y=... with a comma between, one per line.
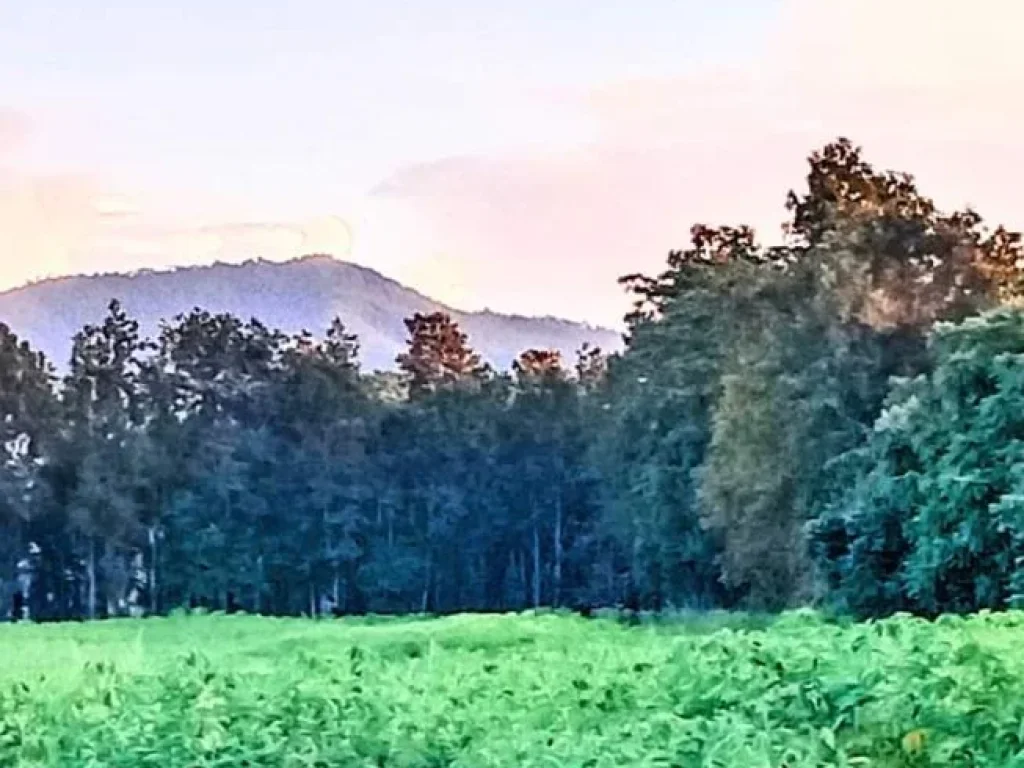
x=220, y=378
x=28, y=410
x=591, y=368
x=788, y=349
x=651, y=437
x=748, y=490
x=933, y=522
x=688, y=270
x=438, y=355
x=97, y=473
x=894, y=257
x=322, y=411
x=224, y=367
x=797, y=386
x=545, y=410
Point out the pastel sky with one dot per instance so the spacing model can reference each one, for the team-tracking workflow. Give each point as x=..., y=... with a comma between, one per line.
x=514, y=155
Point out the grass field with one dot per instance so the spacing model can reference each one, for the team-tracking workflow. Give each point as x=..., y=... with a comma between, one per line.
x=527, y=690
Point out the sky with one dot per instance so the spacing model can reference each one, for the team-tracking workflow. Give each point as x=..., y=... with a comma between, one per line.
x=512, y=156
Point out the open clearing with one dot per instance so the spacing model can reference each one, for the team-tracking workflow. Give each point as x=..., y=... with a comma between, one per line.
x=528, y=690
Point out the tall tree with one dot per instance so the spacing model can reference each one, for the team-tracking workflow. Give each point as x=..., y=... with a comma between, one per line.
x=98, y=474
x=28, y=410
x=438, y=355
x=322, y=421
x=894, y=257
x=223, y=376
x=543, y=409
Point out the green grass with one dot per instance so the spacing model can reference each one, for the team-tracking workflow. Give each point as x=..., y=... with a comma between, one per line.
x=546, y=690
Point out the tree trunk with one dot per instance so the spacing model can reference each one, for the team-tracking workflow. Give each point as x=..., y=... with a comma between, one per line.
x=635, y=570
x=425, y=600
x=9, y=586
x=91, y=573
x=312, y=600
x=524, y=583
x=257, y=591
x=480, y=584
x=536, y=566
x=507, y=579
x=656, y=585
x=609, y=559
x=154, y=602
x=557, y=587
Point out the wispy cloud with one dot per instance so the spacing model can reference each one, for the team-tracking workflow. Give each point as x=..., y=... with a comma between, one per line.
x=54, y=224
x=43, y=219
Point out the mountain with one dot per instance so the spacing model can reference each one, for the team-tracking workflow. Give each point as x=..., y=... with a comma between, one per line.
x=305, y=293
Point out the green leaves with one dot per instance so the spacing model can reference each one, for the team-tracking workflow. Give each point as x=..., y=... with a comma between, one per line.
x=935, y=520
x=489, y=691
x=800, y=693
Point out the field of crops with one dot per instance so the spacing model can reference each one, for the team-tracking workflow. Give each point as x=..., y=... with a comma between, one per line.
x=512, y=691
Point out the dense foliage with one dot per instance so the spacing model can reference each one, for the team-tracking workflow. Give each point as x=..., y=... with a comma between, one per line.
x=934, y=521
x=741, y=451
x=512, y=690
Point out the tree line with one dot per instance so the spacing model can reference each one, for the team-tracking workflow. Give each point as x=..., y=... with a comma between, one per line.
x=834, y=420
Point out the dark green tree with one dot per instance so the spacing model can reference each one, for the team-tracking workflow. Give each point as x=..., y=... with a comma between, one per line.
x=220, y=377
x=28, y=423
x=323, y=422
x=933, y=523
x=96, y=476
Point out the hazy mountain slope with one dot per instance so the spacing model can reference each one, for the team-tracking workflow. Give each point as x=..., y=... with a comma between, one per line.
x=301, y=294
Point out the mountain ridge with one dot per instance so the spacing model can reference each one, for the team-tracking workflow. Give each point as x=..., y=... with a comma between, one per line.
x=304, y=293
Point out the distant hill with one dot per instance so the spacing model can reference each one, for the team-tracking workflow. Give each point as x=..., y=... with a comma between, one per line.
x=302, y=294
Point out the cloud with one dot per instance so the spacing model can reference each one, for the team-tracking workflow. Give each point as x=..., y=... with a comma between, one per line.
x=552, y=234
x=43, y=217
x=42, y=221
x=53, y=224
x=924, y=85
x=142, y=243
x=67, y=224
